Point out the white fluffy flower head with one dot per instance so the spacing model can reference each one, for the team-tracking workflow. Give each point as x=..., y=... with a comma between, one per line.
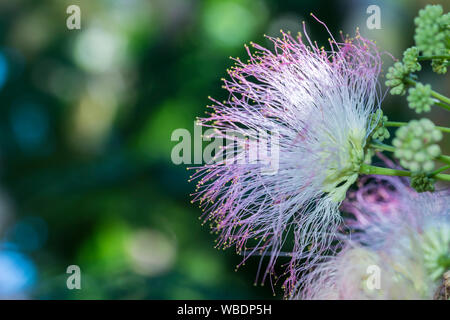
x=319, y=104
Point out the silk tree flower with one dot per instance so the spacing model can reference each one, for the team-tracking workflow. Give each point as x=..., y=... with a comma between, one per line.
x=318, y=103
x=404, y=234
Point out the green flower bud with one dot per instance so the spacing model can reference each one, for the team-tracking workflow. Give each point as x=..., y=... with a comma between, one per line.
x=428, y=165
x=434, y=151
x=421, y=182
x=416, y=145
x=419, y=98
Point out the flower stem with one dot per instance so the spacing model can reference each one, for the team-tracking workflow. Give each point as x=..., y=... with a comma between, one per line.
x=369, y=169
x=400, y=124
x=445, y=105
x=440, y=104
x=443, y=158
x=442, y=176
x=439, y=96
x=441, y=57
x=439, y=170
x=378, y=145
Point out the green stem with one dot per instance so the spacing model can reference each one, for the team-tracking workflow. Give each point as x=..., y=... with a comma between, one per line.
x=441, y=104
x=443, y=158
x=378, y=145
x=441, y=169
x=441, y=57
x=369, y=169
x=435, y=94
x=400, y=124
x=410, y=81
x=439, y=96
x=442, y=176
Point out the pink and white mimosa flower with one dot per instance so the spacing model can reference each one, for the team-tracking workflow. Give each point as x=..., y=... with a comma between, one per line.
x=319, y=104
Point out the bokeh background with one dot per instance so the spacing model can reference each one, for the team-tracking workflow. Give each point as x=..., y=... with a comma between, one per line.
x=86, y=118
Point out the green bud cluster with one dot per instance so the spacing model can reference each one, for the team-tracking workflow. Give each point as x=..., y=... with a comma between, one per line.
x=419, y=98
x=397, y=73
x=440, y=65
x=432, y=34
x=421, y=182
x=416, y=145
x=379, y=131
x=410, y=59
x=395, y=78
